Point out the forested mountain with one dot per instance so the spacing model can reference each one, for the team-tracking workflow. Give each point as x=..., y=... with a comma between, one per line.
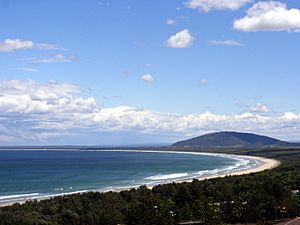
x=232, y=139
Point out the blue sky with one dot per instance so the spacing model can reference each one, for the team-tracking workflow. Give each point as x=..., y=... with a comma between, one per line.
x=147, y=71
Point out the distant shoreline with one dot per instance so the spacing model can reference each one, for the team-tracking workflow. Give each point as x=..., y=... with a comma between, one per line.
x=264, y=164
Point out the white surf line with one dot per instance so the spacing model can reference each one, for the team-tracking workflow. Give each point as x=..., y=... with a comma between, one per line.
x=166, y=176
x=5, y=197
x=21, y=199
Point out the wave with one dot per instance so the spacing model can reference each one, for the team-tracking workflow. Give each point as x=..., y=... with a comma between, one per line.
x=241, y=164
x=217, y=171
x=22, y=196
x=66, y=193
x=166, y=176
x=25, y=197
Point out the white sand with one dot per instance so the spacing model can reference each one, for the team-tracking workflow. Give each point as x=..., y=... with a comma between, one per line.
x=265, y=164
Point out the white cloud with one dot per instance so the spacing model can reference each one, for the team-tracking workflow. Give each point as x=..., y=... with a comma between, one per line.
x=208, y=5
x=170, y=22
x=29, y=110
x=57, y=58
x=146, y=121
x=259, y=108
x=149, y=65
x=27, y=69
x=204, y=82
x=10, y=45
x=182, y=39
x=32, y=112
x=44, y=46
x=269, y=16
x=225, y=42
x=148, y=78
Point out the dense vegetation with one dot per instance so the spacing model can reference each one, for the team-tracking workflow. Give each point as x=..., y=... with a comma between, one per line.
x=233, y=139
x=260, y=198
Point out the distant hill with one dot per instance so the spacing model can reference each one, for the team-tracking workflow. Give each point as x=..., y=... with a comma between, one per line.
x=232, y=139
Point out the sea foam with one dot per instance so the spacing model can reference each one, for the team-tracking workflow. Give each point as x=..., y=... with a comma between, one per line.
x=21, y=196
x=166, y=176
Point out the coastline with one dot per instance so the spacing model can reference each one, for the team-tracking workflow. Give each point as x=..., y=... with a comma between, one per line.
x=264, y=164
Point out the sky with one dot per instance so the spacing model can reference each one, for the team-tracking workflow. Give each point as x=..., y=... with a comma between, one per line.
x=147, y=72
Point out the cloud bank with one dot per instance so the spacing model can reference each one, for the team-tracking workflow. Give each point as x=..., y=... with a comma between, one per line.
x=31, y=112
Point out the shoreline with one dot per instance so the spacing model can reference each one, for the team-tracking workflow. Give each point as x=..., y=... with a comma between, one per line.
x=264, y=164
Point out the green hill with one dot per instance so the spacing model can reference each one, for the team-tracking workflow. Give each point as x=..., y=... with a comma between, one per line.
x=232, y=139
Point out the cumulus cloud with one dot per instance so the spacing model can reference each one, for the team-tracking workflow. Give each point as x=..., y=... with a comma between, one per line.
x=208, y=5
x=259, y=108
x=29, y=110
x=182, y=39
x=225, y=42
x=32, y=112
x=269, y=16
x=146, y=121
x=30, y=97
x=10, y=45
x=148, y=78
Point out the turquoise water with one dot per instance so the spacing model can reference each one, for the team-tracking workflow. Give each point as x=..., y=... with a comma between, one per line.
x=26, y=174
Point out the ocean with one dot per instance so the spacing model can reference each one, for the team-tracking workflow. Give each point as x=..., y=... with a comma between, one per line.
x=31, y=174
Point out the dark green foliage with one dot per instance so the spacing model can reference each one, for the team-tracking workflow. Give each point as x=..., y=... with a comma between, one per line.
x=232, y=139
x=260, y=197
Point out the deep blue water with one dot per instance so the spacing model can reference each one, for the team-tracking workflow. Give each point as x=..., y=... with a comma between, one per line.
x=38, y=173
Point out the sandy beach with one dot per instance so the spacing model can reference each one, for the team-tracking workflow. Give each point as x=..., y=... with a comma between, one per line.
x=264, y=164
